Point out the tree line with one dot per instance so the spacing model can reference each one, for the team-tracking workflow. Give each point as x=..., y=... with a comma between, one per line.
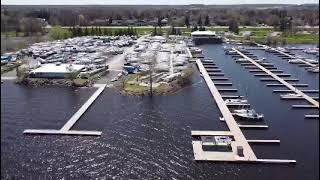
x=97, y=31
x=146, y=15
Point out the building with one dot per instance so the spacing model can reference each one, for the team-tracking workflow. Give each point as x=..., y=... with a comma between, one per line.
x=205, y=37
x=216, y=143
x=58, y=71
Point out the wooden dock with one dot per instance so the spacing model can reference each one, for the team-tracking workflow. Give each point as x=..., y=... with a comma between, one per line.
x=253, y=126
x=216, y=74
x=83, y=109
x=65, y=130
x=230, y=90
x=223, y=84
x=297, y=98
x=290, y=91
x=295, y=85
x=230, y=97
x=263, y=141
x=220, y=78
x=287, y=55
x=315, y=116
x=272, y=79
x=239, y=139
x=280, y=80
x=211, y=133
x=213, y=70
x=304, y=106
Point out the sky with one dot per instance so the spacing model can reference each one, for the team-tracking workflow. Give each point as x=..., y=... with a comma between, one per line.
x=152, y=2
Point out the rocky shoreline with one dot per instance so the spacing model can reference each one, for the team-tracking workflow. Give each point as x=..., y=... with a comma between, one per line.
x=57, y=82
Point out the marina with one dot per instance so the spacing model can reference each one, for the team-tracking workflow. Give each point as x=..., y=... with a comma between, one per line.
x=241, y=150
x=127, y=119
x=280, y=80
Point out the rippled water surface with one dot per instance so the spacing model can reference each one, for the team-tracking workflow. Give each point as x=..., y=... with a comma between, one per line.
x=150, y=138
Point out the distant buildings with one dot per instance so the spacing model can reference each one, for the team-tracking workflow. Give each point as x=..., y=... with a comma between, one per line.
x=205, y=37
x=56, y=70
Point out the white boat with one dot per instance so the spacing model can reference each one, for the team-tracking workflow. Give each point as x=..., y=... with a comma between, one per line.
x=311, y=60
x=294, y=61
x=261, y=60
x=315, y=70
x=290, y=95
x=248, y=114
x=235, y=101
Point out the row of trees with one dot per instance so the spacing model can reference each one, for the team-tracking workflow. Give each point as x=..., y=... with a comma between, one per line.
x=57, y=32
x=205, y=15
x=97, y=31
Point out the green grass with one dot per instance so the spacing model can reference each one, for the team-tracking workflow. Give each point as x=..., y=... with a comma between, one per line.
x=302, y=38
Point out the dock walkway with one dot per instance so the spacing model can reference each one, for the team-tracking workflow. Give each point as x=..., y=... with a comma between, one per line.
x=280, y=80
x=65, y=130
x=239, y=138
x=287, y=55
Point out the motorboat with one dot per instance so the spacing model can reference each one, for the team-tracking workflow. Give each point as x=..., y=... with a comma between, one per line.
x=235, y=101
x=314, y=69
x=294, y=61
x=311, y=60
x=248, y=114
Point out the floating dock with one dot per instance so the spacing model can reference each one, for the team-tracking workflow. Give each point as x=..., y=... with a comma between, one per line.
x=65, y=130
x=239, y=140
x=253, y=126
x=290, y=91
x=230, y=97
x=263, y=141
x=287, y=55
x=272, y=79
x=315, y=116
x=295, y=85
x=280, y=80
x=220, y=78
x=223, y=84
x=304, y=106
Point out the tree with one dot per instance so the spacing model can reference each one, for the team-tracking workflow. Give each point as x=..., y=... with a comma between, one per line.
x=195, y=28
x=92, y=32
x=187, y=21
x=207, y=21
x=57, y=32
x=72, y=74
x=96, y=31
x=154, y=32
x=79, y=31
x=233, y=26
x=30, y=25
x=99, y=31
x=159, y=21
x=81, y=20
x=86, y=32
x=200, y=21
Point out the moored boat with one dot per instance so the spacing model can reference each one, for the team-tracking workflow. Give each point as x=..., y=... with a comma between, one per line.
x=248, y=114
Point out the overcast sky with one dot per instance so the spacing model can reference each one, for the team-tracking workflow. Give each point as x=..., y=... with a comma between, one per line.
x=153, y=2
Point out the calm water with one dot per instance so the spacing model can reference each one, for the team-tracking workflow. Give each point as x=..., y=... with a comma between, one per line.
x=144, y=138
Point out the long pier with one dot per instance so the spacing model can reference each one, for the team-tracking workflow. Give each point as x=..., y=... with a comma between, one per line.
x=239, y=138
x=234, y=130
x=287, y=55
x=288, y=85
x=65, y=130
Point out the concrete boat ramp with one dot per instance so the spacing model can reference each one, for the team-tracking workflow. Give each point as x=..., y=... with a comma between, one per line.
x=238, y=144
x=65, y=130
